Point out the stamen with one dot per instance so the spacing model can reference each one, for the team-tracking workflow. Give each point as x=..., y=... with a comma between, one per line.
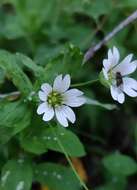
x=54, y=99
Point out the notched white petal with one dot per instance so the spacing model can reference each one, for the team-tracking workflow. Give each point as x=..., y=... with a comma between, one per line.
x=114, y=92
x=49, y=114
x=126, y=67
x=42, y=108
x=42, y=95
x=61, y=117
x=46, y=88
x=113, y=56
x=57, y=83
x=130, y=86
x=128, y=58
x=106, y=64
x=70, y=115
x=73, y=93
x=130, y=92
x=110, y=55
x=121, y=98
x=66, y=83
x=75, y=102
x=131, y=83
x=117, y=94
x=62, y=84
x=116, y=54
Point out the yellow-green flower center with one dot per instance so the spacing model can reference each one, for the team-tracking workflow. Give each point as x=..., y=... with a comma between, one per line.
x=54, y=99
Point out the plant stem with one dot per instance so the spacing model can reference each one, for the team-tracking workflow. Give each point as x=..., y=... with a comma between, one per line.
x=11, y=94
x=69, y=160
x=85, y=83
x=118, y=28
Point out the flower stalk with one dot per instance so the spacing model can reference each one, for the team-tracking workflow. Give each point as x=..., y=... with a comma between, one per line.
x=68, y=159
x=85, y=83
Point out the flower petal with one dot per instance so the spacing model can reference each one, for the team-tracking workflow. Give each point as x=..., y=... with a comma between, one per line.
x=61, y=85
x=42, y=95
x=110, y=54
x=68, y=112
x=42, y=108
x=106, y=64
x=49, y=113
x=57, y=83
x=66, y=82
x=74, y=101
x=116, y=55
x=105, y=73
x=121, y=98
x=114, y=92
x=46, y=88
x=126, y=67
x=130, y=86
x=61, y=116
x=73, y=92
x=130, y=92
x=132, y=83
x=117, y=94
x=113, y=56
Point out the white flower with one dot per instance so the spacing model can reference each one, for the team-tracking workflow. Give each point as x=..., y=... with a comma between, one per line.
x=57, y=100
x=116, y=73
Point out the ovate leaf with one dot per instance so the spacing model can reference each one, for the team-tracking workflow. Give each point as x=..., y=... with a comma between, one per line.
x=68, y=139
x=14, y=117
x=119, y=164
x=38, y=139
x=14, y=72
x=56, y=177
x=38, y=71
x=16, y=175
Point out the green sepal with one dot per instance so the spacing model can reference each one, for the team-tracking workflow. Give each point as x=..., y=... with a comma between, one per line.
x=103, y=81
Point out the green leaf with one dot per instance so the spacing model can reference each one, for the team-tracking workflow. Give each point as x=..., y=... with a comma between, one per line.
x=119, y=164
x=31, y=138
x=68, y=61
x=114, y=183
x=94, y=8
x=69, y=140
x=56, y=177
x=127, y=3
x=40, y=137
x=31, y=13
x=97, y=103
x=16, y=175
x=2, y=76
x=14, y=117
x=14, y=72
x=12, y=28
x=38, y=71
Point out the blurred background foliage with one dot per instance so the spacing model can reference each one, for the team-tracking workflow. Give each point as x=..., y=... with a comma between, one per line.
x=51, y=38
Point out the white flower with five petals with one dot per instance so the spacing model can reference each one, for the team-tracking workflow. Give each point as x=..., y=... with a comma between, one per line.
x=116, y=73
x=58, y=99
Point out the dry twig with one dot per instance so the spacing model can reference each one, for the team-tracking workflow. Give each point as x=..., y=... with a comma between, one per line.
x=117, y=29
